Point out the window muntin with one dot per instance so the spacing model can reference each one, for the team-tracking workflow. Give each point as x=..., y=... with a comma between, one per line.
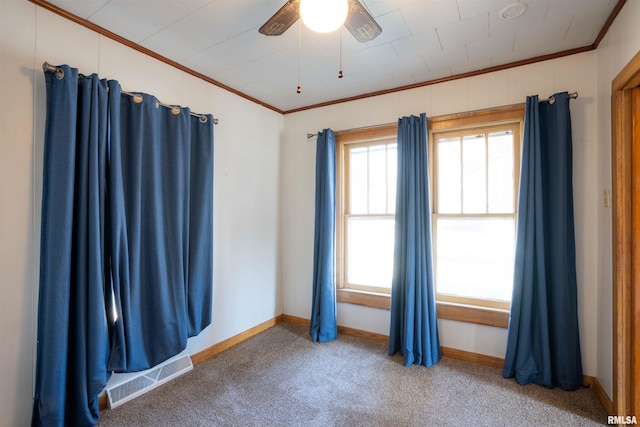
x=474, y=213
x=372, y=177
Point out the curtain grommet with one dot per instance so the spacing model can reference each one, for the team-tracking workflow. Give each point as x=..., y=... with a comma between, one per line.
x=203, y=118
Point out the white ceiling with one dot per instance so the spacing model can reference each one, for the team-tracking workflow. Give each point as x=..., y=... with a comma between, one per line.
x=421, y=40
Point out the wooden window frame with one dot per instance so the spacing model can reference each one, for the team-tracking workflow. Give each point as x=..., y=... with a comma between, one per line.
x=462, y=312
x=344, y=140
x=466, y=129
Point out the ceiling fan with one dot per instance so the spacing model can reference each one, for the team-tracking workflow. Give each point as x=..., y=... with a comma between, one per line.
x=359, y=21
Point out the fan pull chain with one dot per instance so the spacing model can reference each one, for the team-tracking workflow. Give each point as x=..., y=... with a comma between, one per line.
x=299, y=89
x=340, y=72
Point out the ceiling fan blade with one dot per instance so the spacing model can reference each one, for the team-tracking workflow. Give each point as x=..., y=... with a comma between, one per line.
x=360, y=23
x=282, y=19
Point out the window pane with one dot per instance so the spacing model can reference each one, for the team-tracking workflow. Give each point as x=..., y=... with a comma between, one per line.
x=358, y=180
x=378, y=179
x=474, y=257
x=501, y=172
x=392, y=172
x=370, y=251
x=474, y=176
x=449, y=184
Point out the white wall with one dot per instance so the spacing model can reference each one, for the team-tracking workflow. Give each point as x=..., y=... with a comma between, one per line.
x=246, y=177
x=574, y=73
x=264, y=178
x=620, y=44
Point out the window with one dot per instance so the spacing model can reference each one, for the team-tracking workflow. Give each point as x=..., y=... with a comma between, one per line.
x=366, y=206
x=475, y=214
x=474, y=168
x=475, y=165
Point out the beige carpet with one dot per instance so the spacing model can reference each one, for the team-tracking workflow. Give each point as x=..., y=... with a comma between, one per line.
x=281, y=378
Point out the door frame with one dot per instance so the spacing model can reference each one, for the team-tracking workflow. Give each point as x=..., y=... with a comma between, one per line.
x=625, y=261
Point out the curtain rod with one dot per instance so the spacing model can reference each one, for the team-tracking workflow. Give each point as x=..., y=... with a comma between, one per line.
x=551, y=99
x=137, y=98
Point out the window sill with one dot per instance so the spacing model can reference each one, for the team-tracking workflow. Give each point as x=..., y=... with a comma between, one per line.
x=448, y=311
x=369, y=299
x=473, y=314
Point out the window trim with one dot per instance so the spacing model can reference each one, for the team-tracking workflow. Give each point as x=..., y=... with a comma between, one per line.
x=445, y=310
x=468, y=313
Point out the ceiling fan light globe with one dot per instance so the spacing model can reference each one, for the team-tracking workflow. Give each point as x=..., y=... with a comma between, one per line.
x=323, y=16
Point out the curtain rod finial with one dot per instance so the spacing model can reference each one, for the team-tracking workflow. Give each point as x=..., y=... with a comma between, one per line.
x=46, y=67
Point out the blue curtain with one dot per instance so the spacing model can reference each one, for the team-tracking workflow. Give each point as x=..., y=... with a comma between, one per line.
x=73, y=344
x=323, y=326
x=414, y=328
x=157, y=220
x=124, y=278
x=543, y=344
x=200, y=250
